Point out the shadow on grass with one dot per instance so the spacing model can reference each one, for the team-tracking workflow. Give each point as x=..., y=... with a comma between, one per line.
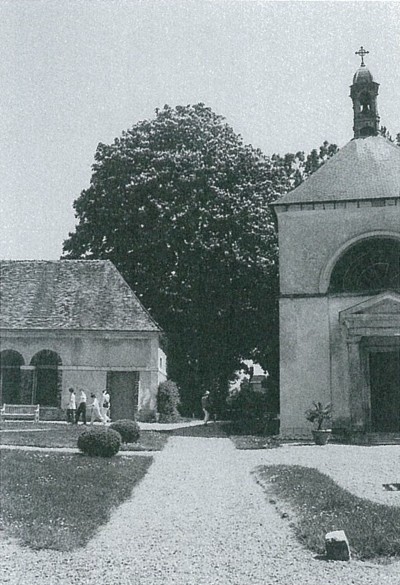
x=212, y=430
x=66, y=436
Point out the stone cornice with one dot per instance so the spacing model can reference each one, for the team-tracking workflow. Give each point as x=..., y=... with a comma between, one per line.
x=334, y=205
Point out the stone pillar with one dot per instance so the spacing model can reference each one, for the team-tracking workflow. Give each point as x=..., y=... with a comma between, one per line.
x=147, y=406
x=356, y=393
x=27, y=384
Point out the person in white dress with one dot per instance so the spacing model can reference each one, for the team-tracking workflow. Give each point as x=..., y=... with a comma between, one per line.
x=95, y=410
x=105, y=405
x=71, y=408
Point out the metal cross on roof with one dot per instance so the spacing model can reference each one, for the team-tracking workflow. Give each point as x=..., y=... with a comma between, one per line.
x=362, y=52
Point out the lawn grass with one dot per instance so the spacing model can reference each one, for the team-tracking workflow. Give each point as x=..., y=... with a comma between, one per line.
x=320, y=506
x=57, y=501
x=62, y=435
x=149, y=441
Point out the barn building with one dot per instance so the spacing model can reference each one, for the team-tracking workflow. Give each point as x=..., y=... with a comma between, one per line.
x=76, y=323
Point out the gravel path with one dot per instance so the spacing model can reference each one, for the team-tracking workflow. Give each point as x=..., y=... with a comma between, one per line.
x=198, y=518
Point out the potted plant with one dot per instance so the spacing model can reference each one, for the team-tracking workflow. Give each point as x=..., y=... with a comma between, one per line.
x=318, y=414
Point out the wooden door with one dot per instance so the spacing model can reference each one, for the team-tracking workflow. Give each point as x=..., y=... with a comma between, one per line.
x=123, y=388
x=385, y=390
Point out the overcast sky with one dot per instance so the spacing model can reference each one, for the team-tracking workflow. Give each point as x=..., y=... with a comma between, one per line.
x=76, y=73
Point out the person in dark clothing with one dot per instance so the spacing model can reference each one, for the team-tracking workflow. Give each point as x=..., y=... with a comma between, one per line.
x=205, y=405
x=81, y=410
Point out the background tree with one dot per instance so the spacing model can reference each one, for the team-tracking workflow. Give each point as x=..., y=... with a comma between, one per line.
x=383, y=131
x=182, y=207
x=293, y=169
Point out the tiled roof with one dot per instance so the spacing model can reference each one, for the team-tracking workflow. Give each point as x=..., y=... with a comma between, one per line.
x=70, y=295
x=366, y=168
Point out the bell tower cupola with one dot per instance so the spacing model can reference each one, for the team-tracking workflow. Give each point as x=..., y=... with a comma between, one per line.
x=364, y=93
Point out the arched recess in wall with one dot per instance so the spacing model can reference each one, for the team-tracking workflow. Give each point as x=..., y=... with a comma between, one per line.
x=47, y=380
x=367, y=264
x=10, y=376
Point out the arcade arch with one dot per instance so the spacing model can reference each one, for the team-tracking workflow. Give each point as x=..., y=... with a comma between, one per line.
x=10, y=376
x=47, y=383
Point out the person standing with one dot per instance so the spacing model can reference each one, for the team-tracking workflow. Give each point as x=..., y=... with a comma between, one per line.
x=95, y=410
x=81, y=410
x=71, y=408
x=205, y=405
x=105, y=406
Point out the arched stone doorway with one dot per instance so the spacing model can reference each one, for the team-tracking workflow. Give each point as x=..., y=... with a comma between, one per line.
x=370, y=269
x=47, y=383
x=10, y=376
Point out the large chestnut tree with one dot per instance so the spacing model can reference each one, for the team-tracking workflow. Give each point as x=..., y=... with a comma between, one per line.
x=182, y=207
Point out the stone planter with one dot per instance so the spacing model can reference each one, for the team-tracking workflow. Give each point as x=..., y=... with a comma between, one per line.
x=322, y=437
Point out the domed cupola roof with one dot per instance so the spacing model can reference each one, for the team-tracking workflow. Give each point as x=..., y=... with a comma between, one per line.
x=366, y=168
x=363, y=75
x=364, y=93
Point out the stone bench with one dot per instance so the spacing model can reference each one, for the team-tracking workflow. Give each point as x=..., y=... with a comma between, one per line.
x=20, y=411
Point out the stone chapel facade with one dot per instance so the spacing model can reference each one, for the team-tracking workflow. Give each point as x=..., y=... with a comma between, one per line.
x=339, y=247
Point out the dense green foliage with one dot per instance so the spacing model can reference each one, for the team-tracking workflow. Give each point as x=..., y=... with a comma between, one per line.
x=40, y=493
x=182, y=207
x=385, y=132
x=99, y=442
x=168, y=400
x=247, y=403
x=128, y=429
x=321, y=506
x=296, y=168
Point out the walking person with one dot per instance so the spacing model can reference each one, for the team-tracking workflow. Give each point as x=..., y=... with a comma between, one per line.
x=205, y=405
x=95, y=410
x=71, y=408
x=105, y=406
x=81, y=410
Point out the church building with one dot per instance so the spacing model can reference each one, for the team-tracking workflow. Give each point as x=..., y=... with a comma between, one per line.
x=339, y=249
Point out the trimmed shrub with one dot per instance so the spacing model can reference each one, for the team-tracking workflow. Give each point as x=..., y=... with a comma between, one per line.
x=128, y=429
x=248, y=409
x=146, y=415
x=99, y=442
x=168, y=401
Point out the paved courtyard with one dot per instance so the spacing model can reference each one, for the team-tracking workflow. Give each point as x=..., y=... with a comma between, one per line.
x=199, y=518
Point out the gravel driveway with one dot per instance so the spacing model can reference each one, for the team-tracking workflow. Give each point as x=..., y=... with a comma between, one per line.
x=198, y=518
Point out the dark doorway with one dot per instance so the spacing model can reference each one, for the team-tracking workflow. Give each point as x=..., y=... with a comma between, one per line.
x=123, y=388
x=47, y=378
x=10, y=377
x=385, y=391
